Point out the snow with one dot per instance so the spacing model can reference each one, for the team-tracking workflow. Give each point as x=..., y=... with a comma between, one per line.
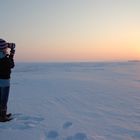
x=74, y=101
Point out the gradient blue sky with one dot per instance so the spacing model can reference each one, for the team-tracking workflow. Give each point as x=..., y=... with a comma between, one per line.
x=72, y=30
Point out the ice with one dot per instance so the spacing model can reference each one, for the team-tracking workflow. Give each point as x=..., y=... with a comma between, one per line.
x=74, y=101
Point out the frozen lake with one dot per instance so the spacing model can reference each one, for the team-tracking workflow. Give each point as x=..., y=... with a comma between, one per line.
x=74, y=101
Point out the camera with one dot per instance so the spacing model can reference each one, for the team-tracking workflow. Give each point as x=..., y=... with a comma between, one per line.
x=11, y=46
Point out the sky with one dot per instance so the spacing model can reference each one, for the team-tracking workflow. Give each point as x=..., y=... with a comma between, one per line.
x=72, y=30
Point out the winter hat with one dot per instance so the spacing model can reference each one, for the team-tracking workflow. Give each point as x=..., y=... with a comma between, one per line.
x=3, y=44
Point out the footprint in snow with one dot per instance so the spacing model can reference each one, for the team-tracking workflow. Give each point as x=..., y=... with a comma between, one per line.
x=67, y=125
x=52, y=134
x=77, y=136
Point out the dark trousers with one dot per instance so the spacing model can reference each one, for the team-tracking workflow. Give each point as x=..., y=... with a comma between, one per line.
x=4, y=94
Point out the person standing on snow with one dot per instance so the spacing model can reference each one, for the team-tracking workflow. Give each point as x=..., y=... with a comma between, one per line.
x=6, y=64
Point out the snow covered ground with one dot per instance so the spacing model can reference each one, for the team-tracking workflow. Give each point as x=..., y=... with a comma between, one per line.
x=74, y=101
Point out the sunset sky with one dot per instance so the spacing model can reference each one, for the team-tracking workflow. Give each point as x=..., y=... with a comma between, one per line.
x=72, y=30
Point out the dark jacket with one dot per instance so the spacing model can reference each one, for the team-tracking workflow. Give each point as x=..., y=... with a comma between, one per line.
x=6, y=63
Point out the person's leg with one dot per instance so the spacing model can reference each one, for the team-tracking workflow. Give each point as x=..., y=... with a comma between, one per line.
x=4, y=96
x=0, y=102
x=4, y=100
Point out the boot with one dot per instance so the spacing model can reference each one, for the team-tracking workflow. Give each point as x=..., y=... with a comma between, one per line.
x=3, y=116
x=8, y=115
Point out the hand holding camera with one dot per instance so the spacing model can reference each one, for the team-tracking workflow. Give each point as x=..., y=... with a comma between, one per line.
x=12, y=46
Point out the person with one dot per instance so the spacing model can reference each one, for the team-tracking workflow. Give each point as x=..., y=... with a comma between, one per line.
x=6, y=64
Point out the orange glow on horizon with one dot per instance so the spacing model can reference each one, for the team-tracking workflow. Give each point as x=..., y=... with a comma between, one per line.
x=107, y=48
x=105, y=53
